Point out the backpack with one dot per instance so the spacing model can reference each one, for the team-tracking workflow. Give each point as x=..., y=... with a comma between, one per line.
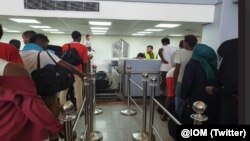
x=102, y=80
x=51, y=78
x=72, y=56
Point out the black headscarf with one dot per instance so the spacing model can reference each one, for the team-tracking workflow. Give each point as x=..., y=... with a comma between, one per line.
x=228, y=67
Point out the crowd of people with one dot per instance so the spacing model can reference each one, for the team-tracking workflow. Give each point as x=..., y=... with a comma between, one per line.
x=194, y=72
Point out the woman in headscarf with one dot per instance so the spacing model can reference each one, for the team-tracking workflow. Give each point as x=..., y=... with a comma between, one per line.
x=226, y=86
x=200, y=71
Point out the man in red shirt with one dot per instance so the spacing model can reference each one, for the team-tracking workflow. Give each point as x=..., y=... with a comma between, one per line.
x=83, y=53
x=9, y=52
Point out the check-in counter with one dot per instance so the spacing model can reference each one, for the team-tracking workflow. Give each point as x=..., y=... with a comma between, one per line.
x=139, y=66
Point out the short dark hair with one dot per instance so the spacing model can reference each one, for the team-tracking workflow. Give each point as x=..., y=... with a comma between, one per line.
x=15, y=43
x=87, y=35
x=76, y=35
x=191, y=40
x=35, y=37
x=165, y=41
x=181, y=44
x=29, y=33
x=150, y=46
x=1, y=31
x=142, y=55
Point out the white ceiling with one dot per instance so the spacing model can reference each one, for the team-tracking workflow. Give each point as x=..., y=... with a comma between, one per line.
x=118, y=27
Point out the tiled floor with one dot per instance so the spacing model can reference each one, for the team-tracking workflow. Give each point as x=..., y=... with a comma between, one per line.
x=117, y=127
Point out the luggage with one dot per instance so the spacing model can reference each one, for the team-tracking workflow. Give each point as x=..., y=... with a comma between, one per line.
x=72, y=56
x=102, y=80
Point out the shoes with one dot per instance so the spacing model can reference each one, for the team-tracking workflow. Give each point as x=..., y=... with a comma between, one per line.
x=164, y=117
x=82, y=113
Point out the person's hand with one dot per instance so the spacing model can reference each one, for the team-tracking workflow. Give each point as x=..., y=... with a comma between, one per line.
x=165, y=61
x=209, y=89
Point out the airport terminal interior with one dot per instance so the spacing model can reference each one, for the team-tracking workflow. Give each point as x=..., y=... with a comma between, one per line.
x=131, y=70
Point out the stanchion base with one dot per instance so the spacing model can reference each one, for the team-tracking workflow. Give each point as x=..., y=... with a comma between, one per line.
x=98, y=111
x=96, y=136
x=128, y=112
x=139, y=136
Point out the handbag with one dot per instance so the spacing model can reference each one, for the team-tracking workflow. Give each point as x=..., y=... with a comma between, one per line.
x=51, y=78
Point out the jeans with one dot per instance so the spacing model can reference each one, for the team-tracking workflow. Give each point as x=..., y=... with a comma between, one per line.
x=179, y=102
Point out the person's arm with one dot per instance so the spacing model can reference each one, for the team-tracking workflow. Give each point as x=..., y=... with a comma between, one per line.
x=71, y=68
x=160, y=52
x=85, y=59
x=176, y=74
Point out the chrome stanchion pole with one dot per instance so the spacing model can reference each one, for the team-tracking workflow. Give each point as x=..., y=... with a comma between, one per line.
x=86, y=110
x=151, y=117
x=199, y=107
x=67, y=117
x=142, y=135
x=97, y=111
x=128, y=111
x=95, y=135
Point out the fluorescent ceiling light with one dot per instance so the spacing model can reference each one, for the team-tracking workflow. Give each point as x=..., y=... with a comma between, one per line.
x=144, y=32
x=50, y=29
x=99, y=23
x=103, y=31
x=57, y=32
x=175, y=35
x=99, y=33
x=25, y=20
x=136, y=34
x=168, y=25
x=38, y=26
x=153, y=29
x=99, y=28
x=5, y=28
x=13, y=31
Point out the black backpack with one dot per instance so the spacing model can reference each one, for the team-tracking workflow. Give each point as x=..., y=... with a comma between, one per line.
x=102, y=80
x=51, y=78
x=72, y=56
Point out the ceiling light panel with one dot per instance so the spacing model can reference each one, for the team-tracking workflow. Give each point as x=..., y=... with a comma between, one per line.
x=99, y=33
x=157, y=30
x=99, y=28
x=176, y=35
x=137, y=34
x=50, y=29
x=34, y=21
x=37, y=26
x=103, y=31
x=13, y=31
x=144, y=32
x=167, y=25
x=57, y=32
x=100, y=23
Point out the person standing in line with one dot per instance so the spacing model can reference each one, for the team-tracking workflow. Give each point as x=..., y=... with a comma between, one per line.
x=226, y=86
x=9, y=52
x=181, y=59
x=150, y=54
x=166, y=53
x=78, y=84
x=15, y=43
x=27, y=35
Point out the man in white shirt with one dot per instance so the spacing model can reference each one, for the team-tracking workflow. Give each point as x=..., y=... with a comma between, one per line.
x=181, y=59
x=166, y=53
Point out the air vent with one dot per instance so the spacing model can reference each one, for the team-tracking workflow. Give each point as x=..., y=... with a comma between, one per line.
x=61, y=5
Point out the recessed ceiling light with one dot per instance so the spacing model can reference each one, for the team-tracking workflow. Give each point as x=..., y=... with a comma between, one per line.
x=144, y=32
x=137, y=34
x=99, y=23
x=25, y=20
x=12, y=31
x=103, y=31
x=50, y=29
x=57, y=32
x=37, y=26
x=99, y=28
x=99, y=33
x=168, y=25
x=175, y=35
x=154, y=30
